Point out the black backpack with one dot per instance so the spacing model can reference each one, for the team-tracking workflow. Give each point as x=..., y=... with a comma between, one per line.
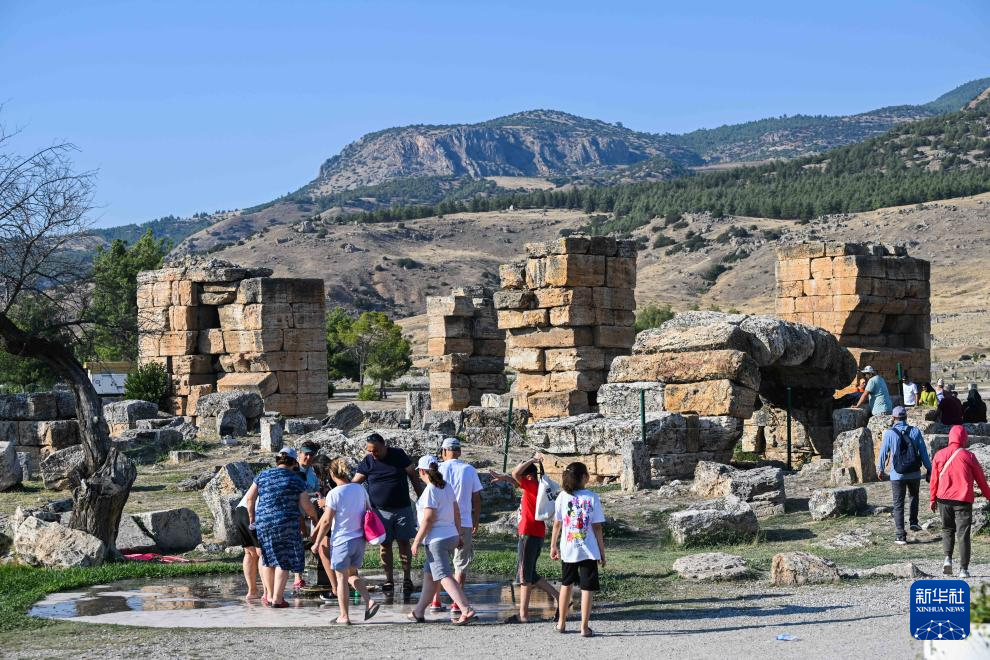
x=906, y=458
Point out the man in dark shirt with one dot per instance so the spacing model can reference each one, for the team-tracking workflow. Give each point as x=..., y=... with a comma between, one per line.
x=388, y=472
x=950, y=410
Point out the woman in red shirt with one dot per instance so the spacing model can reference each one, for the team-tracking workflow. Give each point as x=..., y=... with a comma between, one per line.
x=531, y=536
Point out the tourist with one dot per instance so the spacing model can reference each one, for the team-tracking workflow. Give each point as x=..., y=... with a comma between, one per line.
x=954, y=470
x=905, y=446
x=974, y=410
x=345, y=509
x=909, y=391
x=578, y=543
x=388, y=472
x=950, y=409
x=876, y=393
x=274, y=502
x=940, y=389
x=307, y=452
x=463, y=478
x=860, y=383
x=531, y=535
x=928, y=397
x=440, y=533
x=252, y=553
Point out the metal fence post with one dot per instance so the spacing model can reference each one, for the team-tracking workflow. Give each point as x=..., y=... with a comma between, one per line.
x=642, y=415
x=788, y=428
x=508, y=433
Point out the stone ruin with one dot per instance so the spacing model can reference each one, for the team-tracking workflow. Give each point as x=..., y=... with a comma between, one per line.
x=466, y=349
x=568, y=312
x=875, y=299
x=33, y=427
x=217, y=327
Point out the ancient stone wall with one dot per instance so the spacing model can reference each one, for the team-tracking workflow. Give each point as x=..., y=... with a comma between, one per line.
x=568, y=312
x=875, y=299
x=218, y=327
x=38, y=424
x=466, y=348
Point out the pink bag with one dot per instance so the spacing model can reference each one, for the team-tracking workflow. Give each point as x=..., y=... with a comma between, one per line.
x=374, y=530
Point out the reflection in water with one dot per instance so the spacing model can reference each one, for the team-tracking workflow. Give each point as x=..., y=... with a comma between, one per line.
x=494, y=599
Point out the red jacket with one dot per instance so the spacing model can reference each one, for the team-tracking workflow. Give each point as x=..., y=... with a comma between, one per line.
x=957, y=482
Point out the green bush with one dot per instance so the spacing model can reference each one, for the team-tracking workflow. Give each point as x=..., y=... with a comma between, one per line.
x=663, y=241
x=331, y=389
x=148, y=382
x=711, y=273
x=368, y=393
x=652, y=315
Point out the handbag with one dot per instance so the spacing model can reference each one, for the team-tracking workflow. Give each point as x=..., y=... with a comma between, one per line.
x=374, y=530
x=546, y=493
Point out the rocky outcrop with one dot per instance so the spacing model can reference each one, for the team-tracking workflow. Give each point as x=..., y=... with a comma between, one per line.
x=724, y=520
x=835, y=502
x=222, y=494
x=762, y=488
x=711, y=567
x=53, y=545
x=788, y=569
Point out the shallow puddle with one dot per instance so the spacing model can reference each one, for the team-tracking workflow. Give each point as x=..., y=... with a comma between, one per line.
x=218, y=602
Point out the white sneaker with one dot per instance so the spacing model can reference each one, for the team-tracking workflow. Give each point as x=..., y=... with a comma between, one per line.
x=963, y=573
x=947, y=567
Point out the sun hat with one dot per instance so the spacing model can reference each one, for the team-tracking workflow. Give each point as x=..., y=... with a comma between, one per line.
x=427, y=462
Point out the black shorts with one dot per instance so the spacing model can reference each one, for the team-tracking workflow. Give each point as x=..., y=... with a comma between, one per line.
x=583, y=573
x=242, y=522
x=529, y=548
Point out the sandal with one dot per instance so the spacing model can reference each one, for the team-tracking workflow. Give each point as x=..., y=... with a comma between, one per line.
x=372, y=610
x=416, y=619
x=265, y=601
x=559, y=629
x=515, y=618
x=280, y=605
x=338, y=622
x=588, y=633
x=466, y=619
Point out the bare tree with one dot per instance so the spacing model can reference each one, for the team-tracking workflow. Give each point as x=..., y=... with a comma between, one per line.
x=44, y=209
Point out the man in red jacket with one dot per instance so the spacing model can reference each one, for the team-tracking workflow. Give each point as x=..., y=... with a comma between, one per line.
x=954, y=470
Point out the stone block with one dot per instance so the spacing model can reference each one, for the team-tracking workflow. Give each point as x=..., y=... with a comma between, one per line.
x=526, y=359
x=610, y=298
x=454, y=398
x=11, y=473
x=802, y=250
x=449, y=306
x=222, y=494
x=438, y=346
x=762, y=487
x=488, y=382
x=714, y=397
x=572, y=315
x=549, y=338
x=821, y=268
x=620, y=272
x=532, y=382
x=557, y=404
x=303, y=340
x=184, y=365
x=288, y=382
x=153, y=319
x=588, y=381
x=724, y=520
x=210, y=342
x=59, y=434
x=177, y=342
x=489, y=347
x=514, y=299
x=717, y=336
x=173, y=530
x=448, y=326
x=260, y=383
x=63, y=469
x=858, y=266
x=575, y=359
x=687, y=367
x=446, y=379
x=834, y=502
x=792, y=569
x=790, y=270
x=280, y=290
x=512, y=276
x=253, y=341
x=53, y=545
x=613, y=336
x=711, y=567
x=308, y=315
x=616, y=399
x=509, y=319
x=560, y=296
x=853, y=458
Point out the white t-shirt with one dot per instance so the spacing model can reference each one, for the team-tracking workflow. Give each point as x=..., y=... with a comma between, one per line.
x=442, y=501
x=577, y=513
x=464, y=478
x=910, y=394
x=349, y=502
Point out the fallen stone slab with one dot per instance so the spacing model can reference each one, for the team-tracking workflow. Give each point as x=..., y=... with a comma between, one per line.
x=64, y=468
x=905, y=570
x=302, y=425
x=711, y=566
x=53, y=545
x=724, y=520
x=860, y=537
x=385, y=419
x=11, y=473
x=231, y=423
x=271, y=434
x=852, y=458
x=505, y=524
x=132, y=539
x=346, y=418
x=183, y=456
x=174, y=530
x=799, y=568
x=122, y=415
x=834, y=502
x=251, y=405
x=222, y=494
x=196, y=482
x=762, y=488
x=447, y=422
x=848, y=419
x=147, y=445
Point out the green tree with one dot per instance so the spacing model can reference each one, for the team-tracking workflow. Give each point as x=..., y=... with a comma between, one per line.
x=376, y=342
x=341, y=362
x=652, y=315
x=114, y=308
x=29, y=373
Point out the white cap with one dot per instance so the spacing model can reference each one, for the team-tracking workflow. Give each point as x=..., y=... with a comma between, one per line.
x=426, y=462
x=868, y=370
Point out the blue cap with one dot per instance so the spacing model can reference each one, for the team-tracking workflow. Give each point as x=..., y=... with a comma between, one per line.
x=290, y=452
x=900, y=412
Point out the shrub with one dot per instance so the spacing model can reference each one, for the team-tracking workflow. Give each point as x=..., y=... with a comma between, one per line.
x=368, y=393
x=680, y=224
x=407, y=263
x=652, y=315
x=663, y=241
x=149, y=382
x=711, y=273
x=771, y=234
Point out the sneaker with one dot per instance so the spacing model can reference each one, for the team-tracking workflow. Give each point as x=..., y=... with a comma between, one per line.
x=963, y=573
x=455, y=610
x=900, y=541
x=298, y=584
x=438, y=607
x=916, y=528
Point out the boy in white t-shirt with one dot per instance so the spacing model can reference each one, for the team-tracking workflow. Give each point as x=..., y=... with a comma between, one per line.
x=578, y=542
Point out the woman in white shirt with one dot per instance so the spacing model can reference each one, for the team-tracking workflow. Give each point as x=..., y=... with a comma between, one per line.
x=440, y=533
x=345, y=509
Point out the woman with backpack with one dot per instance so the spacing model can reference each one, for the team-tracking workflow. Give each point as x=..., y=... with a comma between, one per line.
x=905, y=446
x=345, y=510
x=954, y=470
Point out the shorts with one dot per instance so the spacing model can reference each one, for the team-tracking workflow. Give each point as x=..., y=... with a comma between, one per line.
x=464, y=555
x=400, y=524
x=242, y=523
x=437, y=564
x=347, y=555
x=583, y=573
x=529, y=549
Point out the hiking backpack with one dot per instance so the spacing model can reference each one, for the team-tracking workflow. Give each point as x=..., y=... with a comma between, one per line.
x=906, y=458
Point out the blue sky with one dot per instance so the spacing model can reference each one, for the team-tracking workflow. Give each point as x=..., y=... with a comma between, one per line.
x=193, y=106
